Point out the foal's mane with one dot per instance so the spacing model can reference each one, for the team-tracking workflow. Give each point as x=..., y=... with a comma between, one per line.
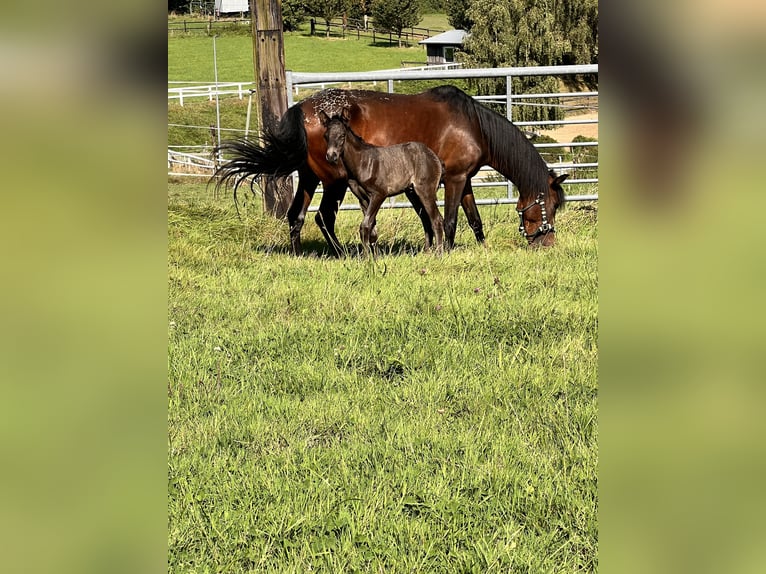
x=510, y=152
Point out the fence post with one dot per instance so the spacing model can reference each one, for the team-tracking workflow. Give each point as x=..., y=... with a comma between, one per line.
x=509, y=115
x=289, y=84
x=270, y=78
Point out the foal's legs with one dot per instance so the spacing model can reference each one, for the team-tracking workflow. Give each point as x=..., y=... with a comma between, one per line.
x=364, y=202
x=368, y=223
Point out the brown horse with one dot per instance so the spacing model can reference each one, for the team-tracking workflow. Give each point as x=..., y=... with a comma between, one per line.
x=375, y=173
x=464, y=134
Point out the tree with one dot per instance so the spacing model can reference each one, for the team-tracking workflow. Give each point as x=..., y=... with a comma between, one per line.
x=358, y=8
x=396, y=15
x=528, y=33
x=578, y=23
x=293, y=14
x=327, y=10
x=456, y=14
x=178, y=6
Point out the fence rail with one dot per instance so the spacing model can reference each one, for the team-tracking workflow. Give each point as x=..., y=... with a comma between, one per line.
x=209, y=91
x=205, y=26
x=357, y=29
x=352, y=28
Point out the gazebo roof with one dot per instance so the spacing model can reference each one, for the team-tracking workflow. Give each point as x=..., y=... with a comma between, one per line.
x=450, y=37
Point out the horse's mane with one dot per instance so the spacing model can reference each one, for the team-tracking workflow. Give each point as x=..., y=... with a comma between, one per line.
x=510, y=152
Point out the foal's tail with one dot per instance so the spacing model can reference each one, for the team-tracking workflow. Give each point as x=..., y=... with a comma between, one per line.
x=280, y=152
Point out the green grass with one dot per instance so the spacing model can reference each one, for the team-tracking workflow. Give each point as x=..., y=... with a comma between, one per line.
x=190, y=58
x=435, y=22
x=417, y=413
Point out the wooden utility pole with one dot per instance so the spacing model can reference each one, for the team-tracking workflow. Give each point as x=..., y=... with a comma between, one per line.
x=269, y=61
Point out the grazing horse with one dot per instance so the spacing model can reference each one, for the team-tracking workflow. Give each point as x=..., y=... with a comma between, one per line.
x=375, y=173
x=463, y=133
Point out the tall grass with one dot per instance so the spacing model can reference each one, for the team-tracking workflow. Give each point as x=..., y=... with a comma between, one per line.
x=407, y=413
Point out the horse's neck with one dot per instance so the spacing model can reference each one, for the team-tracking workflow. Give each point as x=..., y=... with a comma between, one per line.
x=357, y=147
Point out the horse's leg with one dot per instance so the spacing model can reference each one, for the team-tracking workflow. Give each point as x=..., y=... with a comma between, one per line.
x=453, y=192
x=328, y=211
x=368, y=223
x=472, y=212
x=426, y=192
x=296, y=215
x=364, y=202
x=421, y=211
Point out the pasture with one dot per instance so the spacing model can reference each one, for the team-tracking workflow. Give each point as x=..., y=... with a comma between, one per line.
x=191, y=58
x=414, y=413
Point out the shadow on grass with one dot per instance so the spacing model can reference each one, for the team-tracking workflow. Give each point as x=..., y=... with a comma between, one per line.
x=317, y=248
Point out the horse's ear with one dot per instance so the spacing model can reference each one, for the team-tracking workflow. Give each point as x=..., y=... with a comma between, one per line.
x=560, y=179
x=324, y=119
x=345, y=115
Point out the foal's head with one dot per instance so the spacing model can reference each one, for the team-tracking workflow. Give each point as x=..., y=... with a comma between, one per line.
x=334, y=135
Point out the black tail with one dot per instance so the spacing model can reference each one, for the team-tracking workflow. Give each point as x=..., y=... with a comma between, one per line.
x=281, y=152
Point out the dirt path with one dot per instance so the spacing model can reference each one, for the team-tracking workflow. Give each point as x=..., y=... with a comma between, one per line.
x=568, y=132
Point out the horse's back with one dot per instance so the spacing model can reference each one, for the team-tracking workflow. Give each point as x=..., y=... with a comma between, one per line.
x=422, y=154
x=438, y=118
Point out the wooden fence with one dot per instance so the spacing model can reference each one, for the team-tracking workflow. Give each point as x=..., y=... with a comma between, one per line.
x=354, y=28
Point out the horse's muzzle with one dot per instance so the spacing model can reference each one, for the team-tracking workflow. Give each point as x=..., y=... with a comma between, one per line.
x=544, y=240
x=332, y=157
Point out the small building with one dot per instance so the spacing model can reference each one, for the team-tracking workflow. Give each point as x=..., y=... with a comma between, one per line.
x=440, y=49
x=229, y=6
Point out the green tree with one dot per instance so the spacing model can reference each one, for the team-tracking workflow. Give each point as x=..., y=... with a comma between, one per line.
x=396, y=15
x=178, y=6
x=433, y=6
x=358, y=8
x=456, y=14
x=516, y=33
x=293, y=14
x=327, y=10
x=577, y=21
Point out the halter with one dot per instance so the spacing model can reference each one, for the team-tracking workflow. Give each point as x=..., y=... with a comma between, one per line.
x=544, y=228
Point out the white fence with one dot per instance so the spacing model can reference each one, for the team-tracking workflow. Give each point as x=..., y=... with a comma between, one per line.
x=486, y=177
x=209, y=91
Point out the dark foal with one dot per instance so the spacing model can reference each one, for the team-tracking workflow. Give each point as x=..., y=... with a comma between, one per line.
x=375, y=173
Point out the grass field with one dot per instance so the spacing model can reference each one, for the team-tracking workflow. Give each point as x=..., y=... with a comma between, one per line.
x=190, y=58
x=417, y=413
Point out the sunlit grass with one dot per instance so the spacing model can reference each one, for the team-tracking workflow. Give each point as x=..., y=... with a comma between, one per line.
x=410, y=413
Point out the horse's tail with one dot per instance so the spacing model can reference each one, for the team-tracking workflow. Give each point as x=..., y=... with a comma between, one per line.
x=280, y=152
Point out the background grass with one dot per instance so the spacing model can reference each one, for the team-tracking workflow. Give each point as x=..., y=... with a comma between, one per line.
x=414, y=413
x=190, y=58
